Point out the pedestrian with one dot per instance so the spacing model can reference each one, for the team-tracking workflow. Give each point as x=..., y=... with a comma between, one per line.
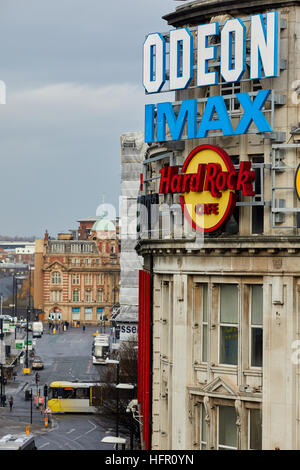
x=83, y=327
x=11, y=402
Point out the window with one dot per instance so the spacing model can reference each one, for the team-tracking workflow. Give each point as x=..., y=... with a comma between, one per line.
x=75, y=261
x=88, y=279
x=100, y=278
x=99, y=313
x=88, y=296
x=255, y=429
x=87, y=261
x=227, y=431
x=100, y=295
x=68, y=393
x=76, y=279
x=88, y=313
x=55, y=296
x=204, y=322
x=228, y=324
x=87, y=248
x=82, y=393
x=230, y=90
x=256, y=330
x=76, y=296
x=57, y=248
x=56, y=277
x=76, y=313
x=75, y=248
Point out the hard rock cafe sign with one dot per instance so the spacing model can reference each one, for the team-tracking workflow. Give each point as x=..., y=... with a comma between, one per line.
x=208, y=185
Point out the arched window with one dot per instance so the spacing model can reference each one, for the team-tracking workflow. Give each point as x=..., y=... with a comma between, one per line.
x=56, y=277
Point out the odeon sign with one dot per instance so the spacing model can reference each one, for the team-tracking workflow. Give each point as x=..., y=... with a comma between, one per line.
x=258, y=50
x=208, y=184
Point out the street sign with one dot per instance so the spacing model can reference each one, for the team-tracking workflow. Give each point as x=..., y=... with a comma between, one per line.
x=26, y=371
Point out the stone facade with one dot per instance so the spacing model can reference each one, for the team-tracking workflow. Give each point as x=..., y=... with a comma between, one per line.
x=226, y=309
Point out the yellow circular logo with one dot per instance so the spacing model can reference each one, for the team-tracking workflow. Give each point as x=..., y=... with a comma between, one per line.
x=297, y=182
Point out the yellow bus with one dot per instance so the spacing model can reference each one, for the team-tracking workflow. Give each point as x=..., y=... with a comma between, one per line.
x=74, y=397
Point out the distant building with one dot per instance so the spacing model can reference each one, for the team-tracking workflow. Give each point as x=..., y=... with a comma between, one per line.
x=25, y=255
x=77, y=275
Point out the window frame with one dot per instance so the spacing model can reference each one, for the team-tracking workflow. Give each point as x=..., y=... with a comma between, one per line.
x=78, y=291
x=56, y=278
x=222, y=446
x=251, y=327
x=228, y=325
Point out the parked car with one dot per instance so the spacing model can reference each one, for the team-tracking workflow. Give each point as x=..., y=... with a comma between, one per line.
x=37, y=363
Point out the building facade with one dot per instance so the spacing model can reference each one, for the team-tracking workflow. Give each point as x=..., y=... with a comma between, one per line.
x=224, y=317
x=132, y=155
x=78, y=277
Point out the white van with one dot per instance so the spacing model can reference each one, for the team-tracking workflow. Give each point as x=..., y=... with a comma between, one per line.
x=37, y=329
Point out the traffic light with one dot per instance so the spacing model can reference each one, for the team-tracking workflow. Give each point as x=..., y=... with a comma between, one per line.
x=45, y=390
x=37, y=378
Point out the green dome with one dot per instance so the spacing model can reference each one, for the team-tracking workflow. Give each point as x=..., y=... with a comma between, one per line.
x=104, y=225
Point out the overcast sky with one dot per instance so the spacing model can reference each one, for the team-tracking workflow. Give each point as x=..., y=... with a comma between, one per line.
x=72, y=69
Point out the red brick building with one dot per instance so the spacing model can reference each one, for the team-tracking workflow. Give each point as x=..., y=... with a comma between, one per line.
x=78, y=274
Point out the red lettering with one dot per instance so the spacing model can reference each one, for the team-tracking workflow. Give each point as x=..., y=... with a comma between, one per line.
x=245, y=179
x=210, y=184
x=231, y=180
x=176, y=184
x=185, y=183
x=165, y=180
x=209, y=177
x=207, y=209
x=221, y=181
x=197, y=180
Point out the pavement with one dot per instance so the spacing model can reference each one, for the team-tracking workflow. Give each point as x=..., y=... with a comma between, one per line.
x=16, y=421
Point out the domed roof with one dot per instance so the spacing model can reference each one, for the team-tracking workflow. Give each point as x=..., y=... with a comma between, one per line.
x=104, y=225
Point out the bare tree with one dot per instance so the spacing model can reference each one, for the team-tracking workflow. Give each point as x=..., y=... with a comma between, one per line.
x=128, y=363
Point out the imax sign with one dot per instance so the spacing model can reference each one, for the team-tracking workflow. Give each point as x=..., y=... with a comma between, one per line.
x=224, y=54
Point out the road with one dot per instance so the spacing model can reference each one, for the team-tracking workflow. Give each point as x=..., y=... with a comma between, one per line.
x=67, y=356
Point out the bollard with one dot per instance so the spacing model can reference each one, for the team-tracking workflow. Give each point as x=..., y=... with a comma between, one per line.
x=46, y=421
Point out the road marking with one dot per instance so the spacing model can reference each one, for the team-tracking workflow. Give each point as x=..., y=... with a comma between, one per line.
x=87, y=432
x=44, y=445
x=71, y=430
x=89, y=366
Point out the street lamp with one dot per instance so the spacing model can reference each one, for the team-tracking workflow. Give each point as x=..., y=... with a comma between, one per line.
x=114, y=440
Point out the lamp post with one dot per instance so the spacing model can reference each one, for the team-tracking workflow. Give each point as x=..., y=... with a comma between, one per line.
x=2, y=399
x=27, y=317
x=127, y=387
x=117, y=363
